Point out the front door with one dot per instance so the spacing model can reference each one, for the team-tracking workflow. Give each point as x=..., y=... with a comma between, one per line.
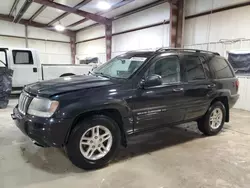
x=24, y=67
x=160, y=105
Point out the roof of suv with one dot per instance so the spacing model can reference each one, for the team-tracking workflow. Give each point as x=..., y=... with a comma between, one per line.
x=170, y=50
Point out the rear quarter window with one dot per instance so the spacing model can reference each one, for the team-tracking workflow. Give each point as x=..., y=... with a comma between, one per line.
x=221, y=68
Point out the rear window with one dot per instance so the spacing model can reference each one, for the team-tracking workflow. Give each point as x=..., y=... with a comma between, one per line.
x=221, y=68
x=194, y=68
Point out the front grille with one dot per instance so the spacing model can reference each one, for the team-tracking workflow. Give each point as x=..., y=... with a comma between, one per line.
x=23, y=102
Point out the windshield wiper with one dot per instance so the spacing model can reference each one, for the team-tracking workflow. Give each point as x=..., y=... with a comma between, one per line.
x=103, y=75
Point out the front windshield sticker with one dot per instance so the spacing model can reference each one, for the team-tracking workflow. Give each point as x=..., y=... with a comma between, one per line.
x=138, y=58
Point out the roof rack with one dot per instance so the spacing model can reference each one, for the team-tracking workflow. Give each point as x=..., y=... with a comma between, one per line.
x=141, y=50
x=186, y=50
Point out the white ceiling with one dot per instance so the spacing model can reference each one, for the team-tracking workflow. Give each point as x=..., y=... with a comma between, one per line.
x=91, y=6
x=6, y=6
x=49, y=14
x=31, y=10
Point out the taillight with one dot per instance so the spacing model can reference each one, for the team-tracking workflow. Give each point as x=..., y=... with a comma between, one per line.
x=237, y=84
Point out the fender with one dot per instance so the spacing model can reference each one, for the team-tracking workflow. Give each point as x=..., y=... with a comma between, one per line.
x=121, y=106
x=75, y=109
x=222, y=93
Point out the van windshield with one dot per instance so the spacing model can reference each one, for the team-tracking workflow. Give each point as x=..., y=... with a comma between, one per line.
x=120, y=67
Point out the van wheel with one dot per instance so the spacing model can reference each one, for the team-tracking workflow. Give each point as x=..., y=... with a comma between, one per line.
x=93, y=142
x=212, y=122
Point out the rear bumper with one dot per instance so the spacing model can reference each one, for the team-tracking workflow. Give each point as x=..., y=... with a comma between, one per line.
x=43, y=131
x=232, y=100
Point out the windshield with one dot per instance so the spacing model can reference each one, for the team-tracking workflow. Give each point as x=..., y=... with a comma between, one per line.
x=120, y=67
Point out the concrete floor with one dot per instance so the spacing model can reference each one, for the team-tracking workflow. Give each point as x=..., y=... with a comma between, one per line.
x=170, y=158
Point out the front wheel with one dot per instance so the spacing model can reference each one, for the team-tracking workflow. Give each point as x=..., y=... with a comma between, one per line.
x=93, y=142
x=212, y=122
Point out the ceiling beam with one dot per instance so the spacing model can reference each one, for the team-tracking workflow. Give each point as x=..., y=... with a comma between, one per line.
x=22, y=10
x=115, y=6
x=34, y=24
x=13, y=7
x=94, y=17
x=79, y=5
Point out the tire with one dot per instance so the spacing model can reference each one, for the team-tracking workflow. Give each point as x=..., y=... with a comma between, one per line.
x=206, y=126
x=76, y=152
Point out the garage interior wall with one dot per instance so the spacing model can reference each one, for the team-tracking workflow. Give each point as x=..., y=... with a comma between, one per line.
x=149, y=38
x=220, y=32
x=53, y=48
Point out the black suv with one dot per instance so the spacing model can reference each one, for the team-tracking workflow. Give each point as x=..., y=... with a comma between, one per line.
x=91, y=115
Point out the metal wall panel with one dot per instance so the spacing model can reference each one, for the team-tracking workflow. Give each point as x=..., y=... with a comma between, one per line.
x=198, y=6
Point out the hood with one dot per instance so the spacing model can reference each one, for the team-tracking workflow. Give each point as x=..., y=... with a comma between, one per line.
x=66, y=84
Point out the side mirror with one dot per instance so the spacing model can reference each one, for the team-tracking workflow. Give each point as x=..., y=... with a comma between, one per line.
x=150, y=81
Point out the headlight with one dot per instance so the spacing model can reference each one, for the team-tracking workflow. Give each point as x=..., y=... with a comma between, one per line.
x=42, y=107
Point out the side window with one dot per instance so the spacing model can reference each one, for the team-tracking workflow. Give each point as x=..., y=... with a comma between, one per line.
x=2, y=59
x=22, y=57
x=221, y=68
x=194, y=68
x=168, y=68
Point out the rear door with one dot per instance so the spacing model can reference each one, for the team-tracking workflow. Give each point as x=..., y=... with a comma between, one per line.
x=223, y=74
x=198, y=86
x=25, y=68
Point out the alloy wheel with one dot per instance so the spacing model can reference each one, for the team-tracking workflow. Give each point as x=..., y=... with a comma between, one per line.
x=96, y=142
x=215, y=119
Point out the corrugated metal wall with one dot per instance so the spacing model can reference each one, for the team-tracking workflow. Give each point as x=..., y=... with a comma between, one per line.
x=50, y=52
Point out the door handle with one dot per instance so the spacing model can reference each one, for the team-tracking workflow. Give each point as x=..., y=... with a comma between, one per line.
x=211, y=86
x=34, y=69
x=178, y=90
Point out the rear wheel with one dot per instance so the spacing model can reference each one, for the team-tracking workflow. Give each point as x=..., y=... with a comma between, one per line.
x=212, y=122
x=93, y=142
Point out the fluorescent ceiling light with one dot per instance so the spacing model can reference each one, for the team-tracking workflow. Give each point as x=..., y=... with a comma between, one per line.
x=103, y=5
x=59, y=27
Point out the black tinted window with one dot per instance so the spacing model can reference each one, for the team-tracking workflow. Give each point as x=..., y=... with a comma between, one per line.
x=221, y=68
x=168, y=68
x=194, y=68
x=22, y=57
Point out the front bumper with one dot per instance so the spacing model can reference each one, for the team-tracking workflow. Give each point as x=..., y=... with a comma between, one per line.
x=44, y=131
